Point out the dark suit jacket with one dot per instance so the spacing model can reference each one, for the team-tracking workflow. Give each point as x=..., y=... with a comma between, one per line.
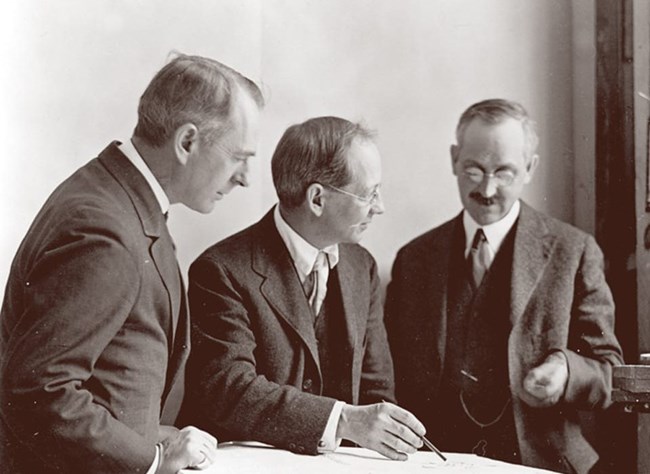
x=254, y=369
x=87, y=322
x=559, y=301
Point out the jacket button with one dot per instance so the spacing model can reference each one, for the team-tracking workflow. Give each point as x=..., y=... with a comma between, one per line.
x=292, y=446
x=321, y=444
x=301, y=449
x=307, y=384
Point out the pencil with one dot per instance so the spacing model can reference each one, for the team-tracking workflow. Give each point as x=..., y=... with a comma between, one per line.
x=430, y=445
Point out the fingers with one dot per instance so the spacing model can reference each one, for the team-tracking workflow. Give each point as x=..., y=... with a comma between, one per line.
x=399, y=444
x=383, y=427
x=205, y=444
x=407, y=419
x=391, y=453
x=191, y=448
x=405, y=427
x=544, y=385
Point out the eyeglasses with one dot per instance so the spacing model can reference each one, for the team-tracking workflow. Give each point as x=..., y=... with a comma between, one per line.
x=502, y=178
x=371, y=199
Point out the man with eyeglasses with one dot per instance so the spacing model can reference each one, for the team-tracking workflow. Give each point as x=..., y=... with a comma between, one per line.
x=289, y=345
x=500, y=321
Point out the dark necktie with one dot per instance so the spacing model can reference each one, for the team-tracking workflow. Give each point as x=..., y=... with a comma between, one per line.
x=481, y=258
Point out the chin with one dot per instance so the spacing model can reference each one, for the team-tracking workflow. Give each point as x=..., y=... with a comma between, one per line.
x=484, y=215
x=206, y=208
x=355, y=238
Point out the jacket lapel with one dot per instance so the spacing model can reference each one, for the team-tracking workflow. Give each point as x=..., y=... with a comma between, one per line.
x=153, y=226
x=354, y=301
x=281, y=286
x=437, y=279
x=162, y=253
x=533, y=247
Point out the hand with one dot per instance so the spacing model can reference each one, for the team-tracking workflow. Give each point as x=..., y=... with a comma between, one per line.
x=545, y=384
x=189, y=448
x=382, y=427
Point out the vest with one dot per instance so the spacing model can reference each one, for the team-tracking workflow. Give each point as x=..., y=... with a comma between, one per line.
x=330, y=327
x=474, y=390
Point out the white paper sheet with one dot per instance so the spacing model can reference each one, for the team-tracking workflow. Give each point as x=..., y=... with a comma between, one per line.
x=256, y=458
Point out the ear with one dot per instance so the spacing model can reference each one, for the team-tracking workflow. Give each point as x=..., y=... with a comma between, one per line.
x=530, y=169
x=453, y=151
x=186, y=142
x=316, y=198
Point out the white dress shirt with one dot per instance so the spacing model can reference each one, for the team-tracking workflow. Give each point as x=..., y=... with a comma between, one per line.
x=134, y=157
x=304, y=255
x=495, y=233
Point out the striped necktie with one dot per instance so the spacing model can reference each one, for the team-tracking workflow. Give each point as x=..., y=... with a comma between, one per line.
x=317, y=280
x=481, y=257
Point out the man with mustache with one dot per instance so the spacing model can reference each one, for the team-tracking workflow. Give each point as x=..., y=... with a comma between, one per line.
x=289, y=345
x=500, y=321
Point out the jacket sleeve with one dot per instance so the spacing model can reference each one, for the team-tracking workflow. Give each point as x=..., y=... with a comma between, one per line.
x=77, y=295
x=377, y=377
x=227, y=391
x=593, y=348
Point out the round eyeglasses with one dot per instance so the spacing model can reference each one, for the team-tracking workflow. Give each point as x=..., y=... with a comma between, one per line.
x=502, y=178
x=371, y=199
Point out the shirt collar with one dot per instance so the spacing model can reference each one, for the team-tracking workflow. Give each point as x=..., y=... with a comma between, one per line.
x=302, y=252
x=134, y=157
x=494, y=233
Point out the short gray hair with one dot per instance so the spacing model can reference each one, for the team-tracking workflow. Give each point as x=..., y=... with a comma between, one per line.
x=495, y=111
x=314, y=152
x=190, y=89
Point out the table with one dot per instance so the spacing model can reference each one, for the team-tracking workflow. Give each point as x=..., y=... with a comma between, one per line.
x=257, y=458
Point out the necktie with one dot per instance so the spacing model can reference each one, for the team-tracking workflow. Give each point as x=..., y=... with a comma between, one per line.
x=481, y=257
x=318, y=282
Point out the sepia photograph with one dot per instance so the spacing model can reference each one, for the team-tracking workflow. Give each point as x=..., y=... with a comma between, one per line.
x=337, y=236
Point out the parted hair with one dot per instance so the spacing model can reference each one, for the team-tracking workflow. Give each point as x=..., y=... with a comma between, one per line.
x=191, y=89
x=495, y=111
x=314, y=152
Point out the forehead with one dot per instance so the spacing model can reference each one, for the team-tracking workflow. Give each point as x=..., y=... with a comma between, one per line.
x=503, y=140
x=365, y=162
x=244, y=121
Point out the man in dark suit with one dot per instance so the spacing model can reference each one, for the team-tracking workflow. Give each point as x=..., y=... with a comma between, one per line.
x=500, y=321
x=95, y=329
x=289, y=345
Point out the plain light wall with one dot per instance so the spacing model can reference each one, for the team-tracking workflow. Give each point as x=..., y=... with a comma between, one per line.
x=72, y=76
x=74, y=71
x=409, y=68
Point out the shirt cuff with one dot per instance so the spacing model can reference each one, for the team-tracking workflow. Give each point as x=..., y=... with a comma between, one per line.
x=328, y=441
x=156, y=459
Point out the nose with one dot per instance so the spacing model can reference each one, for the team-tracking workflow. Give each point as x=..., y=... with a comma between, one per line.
x=242, y=175
x=488, y=186
x=378, y=206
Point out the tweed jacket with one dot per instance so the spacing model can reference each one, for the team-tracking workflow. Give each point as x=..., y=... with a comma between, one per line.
x=93, y=302
x=559, y=301
x=254, y=371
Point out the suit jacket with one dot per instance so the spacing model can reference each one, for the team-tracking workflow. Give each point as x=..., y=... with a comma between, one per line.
x=559, y=301
x=254, y=369
x=91, y=307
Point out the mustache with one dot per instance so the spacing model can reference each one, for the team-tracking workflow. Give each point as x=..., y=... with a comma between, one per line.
x=485, y=201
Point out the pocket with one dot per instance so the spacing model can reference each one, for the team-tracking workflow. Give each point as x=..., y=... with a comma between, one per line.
x=579, y=456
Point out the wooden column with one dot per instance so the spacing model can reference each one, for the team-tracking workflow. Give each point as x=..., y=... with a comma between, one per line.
x=620, y=211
